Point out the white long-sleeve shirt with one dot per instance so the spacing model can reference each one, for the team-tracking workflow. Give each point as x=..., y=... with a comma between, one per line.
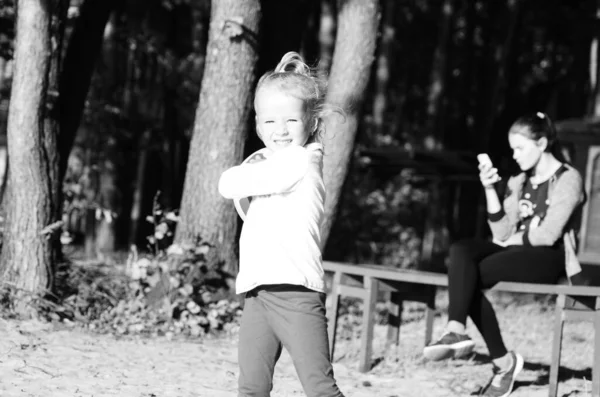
x=281, y=238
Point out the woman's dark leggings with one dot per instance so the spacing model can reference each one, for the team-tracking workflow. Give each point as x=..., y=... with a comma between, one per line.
x=479, y=264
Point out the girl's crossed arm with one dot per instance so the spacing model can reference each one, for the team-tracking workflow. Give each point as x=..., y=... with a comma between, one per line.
x=278, y=173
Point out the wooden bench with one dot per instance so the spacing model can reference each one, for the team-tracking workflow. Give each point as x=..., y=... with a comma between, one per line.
x=366, y=281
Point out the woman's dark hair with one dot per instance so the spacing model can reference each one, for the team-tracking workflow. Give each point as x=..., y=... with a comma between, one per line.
x=536, y=126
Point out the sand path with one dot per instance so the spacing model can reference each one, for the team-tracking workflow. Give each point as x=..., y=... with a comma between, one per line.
x=38, y=359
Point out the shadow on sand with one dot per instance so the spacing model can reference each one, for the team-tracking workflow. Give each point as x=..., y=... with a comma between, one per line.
x=564, y=373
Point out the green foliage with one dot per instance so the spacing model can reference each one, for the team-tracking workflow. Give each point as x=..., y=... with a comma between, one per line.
x=194, y=300
x=381, y=218
x=173, y=294
x=164, y=223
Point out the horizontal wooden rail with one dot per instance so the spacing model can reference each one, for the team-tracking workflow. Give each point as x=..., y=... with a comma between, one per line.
x=388, y=273
x=441, y=279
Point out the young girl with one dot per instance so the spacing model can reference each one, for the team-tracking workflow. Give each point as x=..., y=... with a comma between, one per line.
x=281, y=272
x=533, y=242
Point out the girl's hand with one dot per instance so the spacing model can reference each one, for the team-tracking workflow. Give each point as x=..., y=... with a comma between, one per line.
x=256, y=158
x=488, y=175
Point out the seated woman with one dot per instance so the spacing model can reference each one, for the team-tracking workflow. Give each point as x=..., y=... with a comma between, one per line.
x=533, y=242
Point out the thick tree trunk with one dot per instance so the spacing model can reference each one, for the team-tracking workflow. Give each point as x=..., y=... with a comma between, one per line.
x=221, y=126
x=354, y=54
x=26, y=256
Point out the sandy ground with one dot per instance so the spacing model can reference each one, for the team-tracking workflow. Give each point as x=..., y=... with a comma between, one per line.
x=38, y=359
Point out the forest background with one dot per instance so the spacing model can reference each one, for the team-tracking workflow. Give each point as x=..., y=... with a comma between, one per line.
x=117, y=117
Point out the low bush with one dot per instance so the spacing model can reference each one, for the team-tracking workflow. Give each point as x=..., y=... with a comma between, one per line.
x=175, y=293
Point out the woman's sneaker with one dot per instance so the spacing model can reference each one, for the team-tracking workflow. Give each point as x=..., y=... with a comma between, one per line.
x=502, y=382
x=450, y=345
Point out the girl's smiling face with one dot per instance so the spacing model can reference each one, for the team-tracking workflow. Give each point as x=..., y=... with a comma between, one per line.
x=281, y=119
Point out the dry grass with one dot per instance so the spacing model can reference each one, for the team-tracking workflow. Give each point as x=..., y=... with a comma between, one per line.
x=526, y=322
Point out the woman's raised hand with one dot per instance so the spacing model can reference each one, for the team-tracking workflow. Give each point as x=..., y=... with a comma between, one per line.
x=488, y=175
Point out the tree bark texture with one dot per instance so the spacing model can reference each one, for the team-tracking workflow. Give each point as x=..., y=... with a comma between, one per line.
x=26, y=251
x=353, y=57
x=220, y=127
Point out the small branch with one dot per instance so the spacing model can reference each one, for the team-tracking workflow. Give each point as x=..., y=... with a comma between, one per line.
x=233, y=27
x=51, y=228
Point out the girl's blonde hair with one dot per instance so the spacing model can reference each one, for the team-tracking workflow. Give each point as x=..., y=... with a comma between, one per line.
x=296, y=78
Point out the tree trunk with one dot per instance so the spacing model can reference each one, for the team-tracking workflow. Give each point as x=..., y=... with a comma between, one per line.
x=136, y=205
x=220, y=127
x=26, y=256
x=354, y=54
x=84, y=46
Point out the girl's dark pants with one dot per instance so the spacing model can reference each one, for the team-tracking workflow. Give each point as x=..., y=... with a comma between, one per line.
x=478, y=264
x=287, y=316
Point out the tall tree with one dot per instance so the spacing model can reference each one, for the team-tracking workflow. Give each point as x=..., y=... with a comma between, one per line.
x=220, y=127
x=358, y=22
x=26, y=258
x=84, y=47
